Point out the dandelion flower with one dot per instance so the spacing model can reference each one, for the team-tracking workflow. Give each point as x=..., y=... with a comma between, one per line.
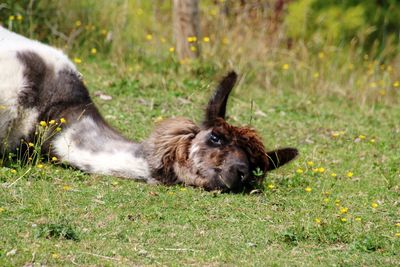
x=93, y=51
x=206, y=39
x=397, y=234
x=321, y=170
x=171, y=49
x=374, y=205
x=343, y=220
x=299, y=171
x=77, y=60
x=285, y=66
x=67, y=187
x=271, y=186
x=310, y=163
x=308, y=189
x=333, y=174
x=344, y=210
x=62, y=120
x=43, y=123
x=192, y=39
x=349, y=174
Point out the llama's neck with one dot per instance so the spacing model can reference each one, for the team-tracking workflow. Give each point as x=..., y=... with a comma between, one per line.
x=94, y=147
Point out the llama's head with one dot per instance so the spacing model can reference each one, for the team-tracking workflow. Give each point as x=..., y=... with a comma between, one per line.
x=227, y=157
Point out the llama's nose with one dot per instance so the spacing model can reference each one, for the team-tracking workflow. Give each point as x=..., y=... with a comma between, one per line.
x=242, y=171
x=238, y=174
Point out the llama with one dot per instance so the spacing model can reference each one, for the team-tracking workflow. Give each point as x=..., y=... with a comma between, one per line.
x=39, y=83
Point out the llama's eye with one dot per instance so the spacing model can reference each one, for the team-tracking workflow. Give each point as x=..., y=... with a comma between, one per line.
x=216, y=140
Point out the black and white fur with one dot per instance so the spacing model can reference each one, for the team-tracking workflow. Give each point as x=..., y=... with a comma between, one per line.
x=39, y=82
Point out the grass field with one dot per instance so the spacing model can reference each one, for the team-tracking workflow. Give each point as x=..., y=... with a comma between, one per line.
x=337, y=204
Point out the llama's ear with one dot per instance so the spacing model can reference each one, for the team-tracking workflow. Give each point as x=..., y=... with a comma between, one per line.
x=217, y=105
x=279, y=157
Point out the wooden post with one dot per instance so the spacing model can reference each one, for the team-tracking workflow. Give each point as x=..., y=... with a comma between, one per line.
x=186, y=23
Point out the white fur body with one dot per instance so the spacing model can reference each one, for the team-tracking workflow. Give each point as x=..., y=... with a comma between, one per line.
x=83, y=143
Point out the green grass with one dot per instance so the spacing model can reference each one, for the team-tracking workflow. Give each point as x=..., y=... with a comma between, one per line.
x=57, y=215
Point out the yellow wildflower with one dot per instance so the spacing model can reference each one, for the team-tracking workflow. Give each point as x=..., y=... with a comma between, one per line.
x=40, y=166
x=58, y=129
x=321, y=170
x=11, y=17
x=225, y=41
x=77, y=60
x=78, y=23
x=43, y=123
x=349, y=174
x=13, y=171
x=54, y=159
x=362, y=137
x=310, y=163
x=171, y=49
x=193, y=48
x=374, y=205
x=285, y=66
x=62, y=120
x=358, y=219
x=317, y=220
x=206, y=39
x=93, y=51
x=271, y=186
x=372, y=140
x=333, y=174
x=397, y=234
x=397, y=224
x=396, y=84
x=344, y=210
x=321, y=55
x=51, y=122
x=2, y=210
x=316, y=74
x=55, y=256
x=326, y=200
x=308, y=189
x=343, y=220
x=19, y=17
x=299, y=171
x=149, y=37
x=67, y=187
x=192, y=39
x=158, y=119
x=31, y=145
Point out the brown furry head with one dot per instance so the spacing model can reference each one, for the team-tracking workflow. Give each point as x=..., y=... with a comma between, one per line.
x=215, y=156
